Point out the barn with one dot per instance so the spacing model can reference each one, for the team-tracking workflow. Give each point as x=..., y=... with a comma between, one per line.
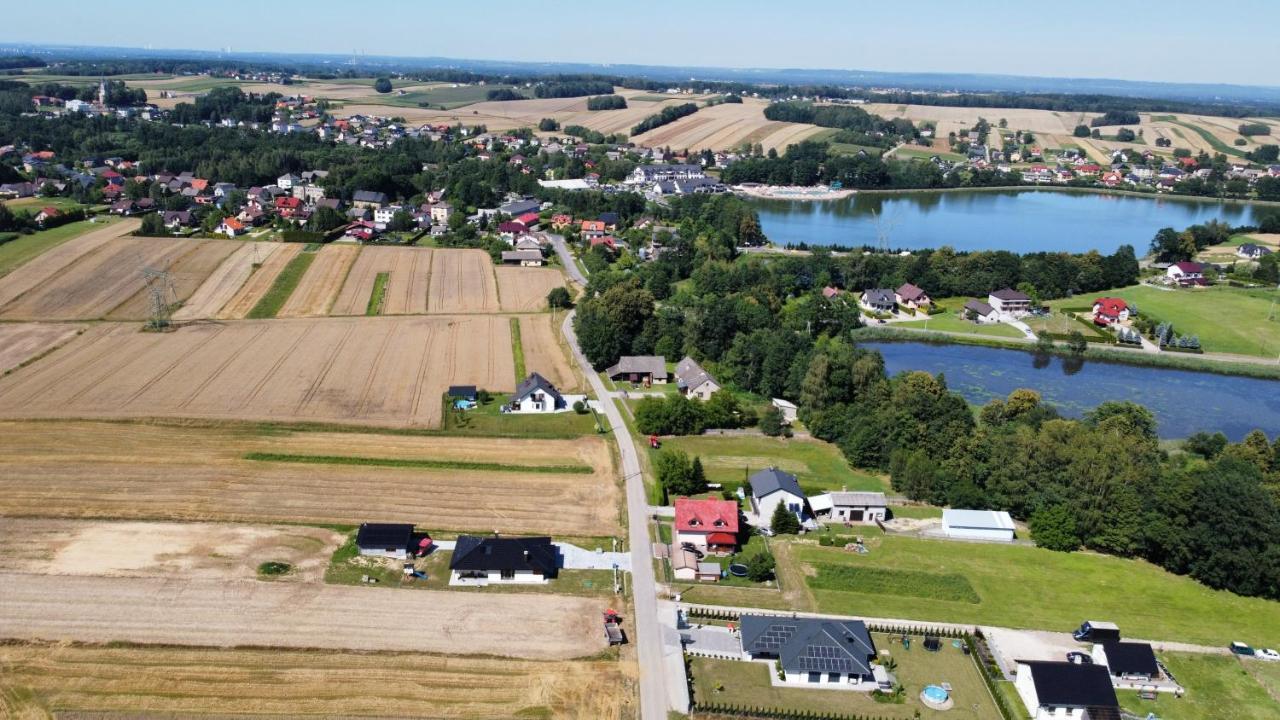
x=978, y=525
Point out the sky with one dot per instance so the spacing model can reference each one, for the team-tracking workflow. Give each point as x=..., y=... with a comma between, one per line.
x=1168, y=41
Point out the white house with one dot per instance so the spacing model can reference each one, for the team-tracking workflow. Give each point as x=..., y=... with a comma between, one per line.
x=772, y=487
x=981, y=313
x=499, y=560
x=523, y=258
x=288, y=180
x=1186, y=273
x=536, y=394
x=850, y=507
x=790, y=413
x=693, y=381
x=389, y=540
x=978, y=525
x=1066, y=691
x=440, y=213
x=1010, y=302
x=383, y=215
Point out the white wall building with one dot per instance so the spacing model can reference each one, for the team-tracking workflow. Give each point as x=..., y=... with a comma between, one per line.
x=990, y=525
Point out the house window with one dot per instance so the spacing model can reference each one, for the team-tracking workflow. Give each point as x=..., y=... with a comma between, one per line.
x=815, y=677
x=833, y=677
x=508, y=574
x=855, y=515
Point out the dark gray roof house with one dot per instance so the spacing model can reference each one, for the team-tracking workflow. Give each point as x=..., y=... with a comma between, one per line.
x=979, y=308
x=1011, y=295
x=384, y=538
x=810, y=645
x=1068, y=685
x=464, y=392
x=771, y=480
x=636, y=367
x=519, y=207
x=472, y=554
x=533, y=384
x=1131, y=660
x=1250, y=250
x=369, y=196
x=880, y=299
x=690, y=375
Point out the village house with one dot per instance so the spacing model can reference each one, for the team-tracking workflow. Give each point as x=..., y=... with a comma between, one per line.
x=770, y=488
x=440, y=213
x=46, y=214
x=230, y=227
x=389, y=540
x=498, y=560
x=686, y=566
x=593, y=229
x=639, y=370
x=850, y=507
x=1066, y=691
x=176, y=219
x=912, y=298
x=1109, y=310
x=1251, y=251
x=523, y=258
x=368, y=199
x=1186, y=274
x=1010, y=303
x=1128, y=663
x=879, y=300
x=694, y=381
x=709, y=525
x=536, y=394
x=815, y=652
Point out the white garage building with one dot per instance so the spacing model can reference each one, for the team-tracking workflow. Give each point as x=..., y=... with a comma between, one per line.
x=978, y=525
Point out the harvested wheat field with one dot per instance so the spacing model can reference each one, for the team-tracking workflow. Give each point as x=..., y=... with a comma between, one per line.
x=544, y=354
x=387, y=371
x=224, y=282
x=274, y=259
x=160, y=549
x=524, y=289
x=155, y=682
x=48, y=264
x=727, y=126
x=22, y=342
x=408, y=273
x=319, y=288
x=462, y=281
x=139, y=471
x=188, y=273
x=110, y=277
x=226, y=613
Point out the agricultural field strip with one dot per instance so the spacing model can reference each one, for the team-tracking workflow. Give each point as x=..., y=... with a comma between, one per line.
x=316, y=293
x=259, y=282
x=20, y=342
x=543, y=353
x=409, y=272
x=304, y=615
x=47, y=265
x=393, y=373
x=522, y=289
x=225, y=282
x=462, y=282
x=186, y=274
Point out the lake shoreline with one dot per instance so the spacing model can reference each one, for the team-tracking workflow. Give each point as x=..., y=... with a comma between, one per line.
x=889, y=192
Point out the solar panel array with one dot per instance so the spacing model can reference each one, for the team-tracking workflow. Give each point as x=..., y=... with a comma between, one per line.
x=775, y=637
x=825, y=658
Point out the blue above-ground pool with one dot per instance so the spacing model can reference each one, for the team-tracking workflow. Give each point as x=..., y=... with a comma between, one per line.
x=935, y=694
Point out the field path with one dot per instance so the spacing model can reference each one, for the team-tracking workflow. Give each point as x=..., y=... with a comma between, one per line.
x=259, y=282
x=320, y=286
x=221, y=613
x=49, y=263
x=223, y=284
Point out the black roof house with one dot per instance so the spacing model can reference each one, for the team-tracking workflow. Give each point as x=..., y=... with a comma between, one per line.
x=465, y=392
x=384, y=536
x=1129, y=659
x=771, y=480
x=535, y=382
x=804, y=645
x=496, y=554
x=1064, y=684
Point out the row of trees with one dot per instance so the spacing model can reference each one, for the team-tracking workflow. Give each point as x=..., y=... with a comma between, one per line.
x=843, y=117
x=607, y=102
x=667, y=115
x=1116, y=117
x=572, y=88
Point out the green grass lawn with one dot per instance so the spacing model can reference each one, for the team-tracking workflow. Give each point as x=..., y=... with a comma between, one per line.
x=1208, y=137
x=952, y=323
x=918, y=153
x=34, y=204
x=1217, y=686
x=1267, y=673
x=818, y=465
x=487, y=420
x=1228, y=320
x=379, y=294
x=447, y=97
x=748, y=683
x=25, y=247
x=919, y=512
x=286, y=282
x=1028, y=587
x=838, y=148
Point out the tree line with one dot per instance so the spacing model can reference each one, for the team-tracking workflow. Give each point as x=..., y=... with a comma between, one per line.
x=576, y=88
x=606, y=102
x=665, y=116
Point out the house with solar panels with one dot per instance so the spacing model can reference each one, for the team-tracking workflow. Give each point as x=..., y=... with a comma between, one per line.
x=815, y=652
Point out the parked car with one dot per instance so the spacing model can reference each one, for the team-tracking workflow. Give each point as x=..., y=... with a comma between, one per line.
x=1095, y=631
x=1240, y=648
x=1079, y=658
x=693, y=549
x=1267, y=654
x=767, y=532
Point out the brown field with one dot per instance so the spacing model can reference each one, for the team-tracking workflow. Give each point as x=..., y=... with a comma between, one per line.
x=224, y=282
x=188, y=274
x=462, y=282
x=107, y=282
x=153, y=682
x=159, y=549
x=222, y=613
x=319, y=287
x=388, y=371
x=21, y=342
x=274, y=259
x=524, y=289
x=46, y=265
x=727, y=126
x=409, y=272
x=544, y=354
x=147, y=471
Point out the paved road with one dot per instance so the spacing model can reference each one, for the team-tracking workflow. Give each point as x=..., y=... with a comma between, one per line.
x=566, y=259
x=656, y=695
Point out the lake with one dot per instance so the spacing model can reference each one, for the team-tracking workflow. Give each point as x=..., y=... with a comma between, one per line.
x=1017, y=220
x=1183, y=402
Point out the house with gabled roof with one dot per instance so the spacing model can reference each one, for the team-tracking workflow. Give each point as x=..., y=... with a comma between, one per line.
x=912, y=297
x=639, y=369
x=879, y=300
x=710, y=525
x=1251, y=251
x=843, y=506
x=693, y=381
x=1186, y=274
x=1009, y=302
x=1066, y=691
x=501, y=560
x=536, y=394
x=772, y=487
x=1129, y=663
x=1109, y=310
x=815, y=652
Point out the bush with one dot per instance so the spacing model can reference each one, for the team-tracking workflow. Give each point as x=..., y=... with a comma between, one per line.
x=579, y=407
x=784, y=522
x=771, y=421
x=760, y=567
x=382, y=85
x=559, y=298
x=1054, y=528
x=504, y=94
x=668, y=115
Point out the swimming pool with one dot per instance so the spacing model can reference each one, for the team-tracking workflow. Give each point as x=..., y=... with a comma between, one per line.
x=935, y=693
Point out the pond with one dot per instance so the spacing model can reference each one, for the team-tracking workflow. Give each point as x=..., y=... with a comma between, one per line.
x=1183, y=401
x=1017, y=220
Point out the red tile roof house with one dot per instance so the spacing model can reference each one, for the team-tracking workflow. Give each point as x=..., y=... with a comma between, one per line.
x=829, y=292
x=46, y=214
x=593, y=228
x=1186, y=274
x=1107, y=311
x=528, y=219
x=710, y=525
x=606, y=241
